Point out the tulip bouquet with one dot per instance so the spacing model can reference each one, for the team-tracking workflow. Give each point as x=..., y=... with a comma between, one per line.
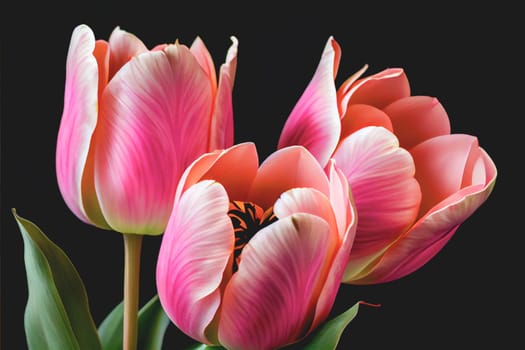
x=366, y=185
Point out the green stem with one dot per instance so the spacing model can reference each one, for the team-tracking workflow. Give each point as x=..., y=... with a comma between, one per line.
x=132, y=249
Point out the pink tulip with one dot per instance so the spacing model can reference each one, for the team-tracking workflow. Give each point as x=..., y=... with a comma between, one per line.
x=413, y=181
x=252, y=256
x=133, y=120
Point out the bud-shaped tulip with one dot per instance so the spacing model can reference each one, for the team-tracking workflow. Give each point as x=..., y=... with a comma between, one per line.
x=133, y=120
x=413, y=181
x=252, y=256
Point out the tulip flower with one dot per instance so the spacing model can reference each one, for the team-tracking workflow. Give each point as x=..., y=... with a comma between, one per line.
x=133, y=120
x=252, y=256
x=413, y=182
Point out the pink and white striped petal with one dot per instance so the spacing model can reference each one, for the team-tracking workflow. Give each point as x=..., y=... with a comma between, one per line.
x=123, y=47
x=431, y=232
x=196, y=249
x=315, y=122
x=386, y=194
x=79, y=119
x=221, y=130
x=155, y=122
x=417, y=118
x=270, y=300
x=284, y=169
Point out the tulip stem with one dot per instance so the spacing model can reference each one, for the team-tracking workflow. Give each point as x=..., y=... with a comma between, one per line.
x=132, y=251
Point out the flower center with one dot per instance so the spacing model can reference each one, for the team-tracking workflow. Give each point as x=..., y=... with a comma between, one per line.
x=247, y=219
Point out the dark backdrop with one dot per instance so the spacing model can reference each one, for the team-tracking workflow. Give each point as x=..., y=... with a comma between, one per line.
x=468, y=58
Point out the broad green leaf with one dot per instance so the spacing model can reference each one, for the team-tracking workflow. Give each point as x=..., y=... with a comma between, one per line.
x=152, y=326
x=327, y=337
x=57, y=314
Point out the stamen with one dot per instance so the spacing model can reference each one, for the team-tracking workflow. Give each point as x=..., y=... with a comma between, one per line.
x=247, y=219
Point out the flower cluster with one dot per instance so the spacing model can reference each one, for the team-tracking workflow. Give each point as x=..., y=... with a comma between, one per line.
x=366, y=185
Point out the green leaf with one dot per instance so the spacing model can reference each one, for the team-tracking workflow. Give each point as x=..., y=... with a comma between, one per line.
x=152, y=326
x=327, y=337
x=57, y=314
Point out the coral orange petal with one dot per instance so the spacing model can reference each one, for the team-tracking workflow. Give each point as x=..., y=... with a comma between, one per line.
x=417, y=118
x=284, y=169
x=380, y=89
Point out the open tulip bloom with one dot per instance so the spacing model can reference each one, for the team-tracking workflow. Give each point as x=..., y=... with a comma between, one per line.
x=252, y=257
x=366, y=185
x=413, y=182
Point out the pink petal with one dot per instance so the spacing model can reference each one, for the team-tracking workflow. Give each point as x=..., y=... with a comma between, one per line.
x=79, y=119
x=201, y=53
x=344, y=206
x=345, y=221
x=342, y=92
x=155, y=122
x=428, y=236
x=381, y=178
x=235, y=168
x=314, y=121
x=284, y=169
x=270, y=301
x=358, y=116
x=340, y=197
x=380, y=89
x=442, y=164
x=305, y=200
x=195, y=252
x=417, y=118
x=221, y=134
x=123, y=47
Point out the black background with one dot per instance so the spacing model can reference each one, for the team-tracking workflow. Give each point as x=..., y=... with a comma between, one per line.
x=468, y=295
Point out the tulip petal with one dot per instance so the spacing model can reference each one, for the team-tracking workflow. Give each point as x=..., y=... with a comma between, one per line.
x=79, y=118
x=386, y=194
x=270, y=300
x=202, y=55
x=315, y=122
x=417, y=118
x=305, y=200
x=284, y=169
x=428, y=236
x=380, y=89
x=221, y=133
x=341, y=198
x=314, y=202
x=234, y=168
x=342, y=92
x=155, y=122
x=195, y=251
x=443, y=164
x=358, y=116
x=123, y=47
